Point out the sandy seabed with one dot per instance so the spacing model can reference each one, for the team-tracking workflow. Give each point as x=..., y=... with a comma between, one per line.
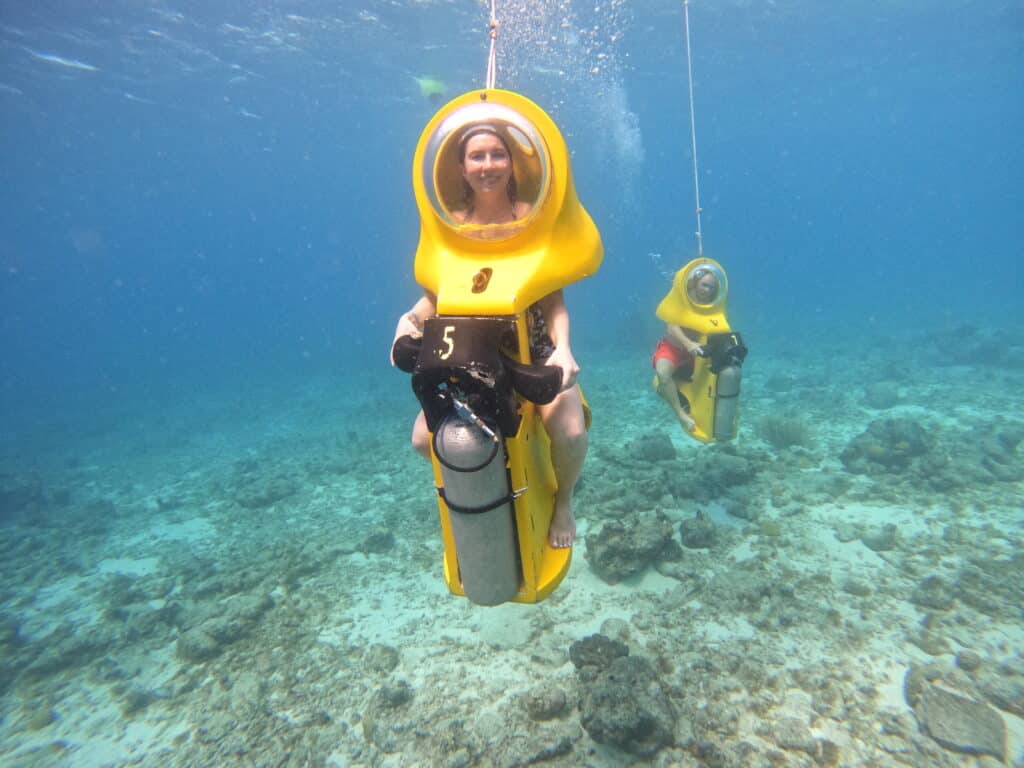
x=255, y=579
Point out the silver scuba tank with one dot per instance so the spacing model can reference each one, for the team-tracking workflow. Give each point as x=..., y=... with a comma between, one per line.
x=727, y=402
x=479, y=499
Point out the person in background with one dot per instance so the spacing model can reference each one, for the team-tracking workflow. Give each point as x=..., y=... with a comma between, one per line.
x=674, y=356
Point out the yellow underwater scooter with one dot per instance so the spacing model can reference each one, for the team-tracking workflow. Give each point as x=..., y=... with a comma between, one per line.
x=471, y=368
x=711, y=393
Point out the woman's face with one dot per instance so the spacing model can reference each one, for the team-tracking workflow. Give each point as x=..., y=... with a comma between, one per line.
x=705, y=289
x=486, y=165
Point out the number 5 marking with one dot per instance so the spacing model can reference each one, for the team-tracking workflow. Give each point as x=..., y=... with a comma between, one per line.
x=447, y=339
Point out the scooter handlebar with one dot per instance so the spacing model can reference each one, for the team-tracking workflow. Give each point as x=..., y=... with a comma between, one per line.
x=539, y=384
x=406, y=351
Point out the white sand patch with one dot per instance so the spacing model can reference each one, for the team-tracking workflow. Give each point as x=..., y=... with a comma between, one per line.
x=836, y=732
x=158, y=668
x=716, y=513
x=796, y=703
x=506, y=627
x=64, y=602
x=423, y=619
x=393, y=613
x=88, y=723
x=142, y=736
x=853, y=558
x=909, y=522
x=743, y=551
x=844, y=559
x=128, y=566
x=711, y=632
x=195, y=531
x=1014, y=738
x=649, y=581
x=56, y=595
x=116, y=739
x=584, y=588
x=95, y=731
x=890, y=691
x=97, y=751
x=997, y=640
x=400, y=612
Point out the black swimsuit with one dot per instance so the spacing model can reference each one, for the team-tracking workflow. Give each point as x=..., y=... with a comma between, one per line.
x=541, y=345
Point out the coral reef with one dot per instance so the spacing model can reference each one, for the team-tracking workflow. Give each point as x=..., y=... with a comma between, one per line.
x=888, y=446
x=624, y=705
x=783, y=431
x=617, y=551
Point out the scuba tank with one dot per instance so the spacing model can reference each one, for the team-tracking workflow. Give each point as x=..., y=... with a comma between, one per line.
x=727, y=398
x=727, y=353
x=477, y=493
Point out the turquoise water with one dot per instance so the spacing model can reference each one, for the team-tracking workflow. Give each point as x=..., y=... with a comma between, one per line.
x=217, y=546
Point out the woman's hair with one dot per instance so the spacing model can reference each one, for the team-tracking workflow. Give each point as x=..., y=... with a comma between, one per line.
x=467, y=191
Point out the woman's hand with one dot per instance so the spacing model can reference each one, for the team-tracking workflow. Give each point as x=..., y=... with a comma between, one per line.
x=562, y=357
x=408, y=325
x=411, y=323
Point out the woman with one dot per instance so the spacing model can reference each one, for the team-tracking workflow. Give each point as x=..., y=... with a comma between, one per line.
x=490, y=199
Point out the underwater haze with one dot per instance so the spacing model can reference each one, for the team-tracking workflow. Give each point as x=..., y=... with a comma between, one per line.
x=217, y=545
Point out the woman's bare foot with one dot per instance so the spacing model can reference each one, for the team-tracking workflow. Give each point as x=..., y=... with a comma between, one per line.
x=562, y=531
x=688, y=424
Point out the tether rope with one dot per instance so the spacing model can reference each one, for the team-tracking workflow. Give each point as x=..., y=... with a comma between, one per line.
x=492, y=57
x=693, y=130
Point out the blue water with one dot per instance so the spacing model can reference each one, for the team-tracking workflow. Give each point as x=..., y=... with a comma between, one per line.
x=195, y=192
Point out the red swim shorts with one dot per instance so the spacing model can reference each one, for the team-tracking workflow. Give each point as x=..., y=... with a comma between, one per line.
x=679, y=358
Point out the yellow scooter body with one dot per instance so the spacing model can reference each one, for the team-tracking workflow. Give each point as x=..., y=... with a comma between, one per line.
x=501, y=270
x=680, y=307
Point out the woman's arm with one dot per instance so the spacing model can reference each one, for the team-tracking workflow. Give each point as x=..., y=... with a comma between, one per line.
x=424, y=309
x=556, y=317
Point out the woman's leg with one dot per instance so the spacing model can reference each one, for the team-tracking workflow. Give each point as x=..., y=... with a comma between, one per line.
x=565, y=424
x=421, y=436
